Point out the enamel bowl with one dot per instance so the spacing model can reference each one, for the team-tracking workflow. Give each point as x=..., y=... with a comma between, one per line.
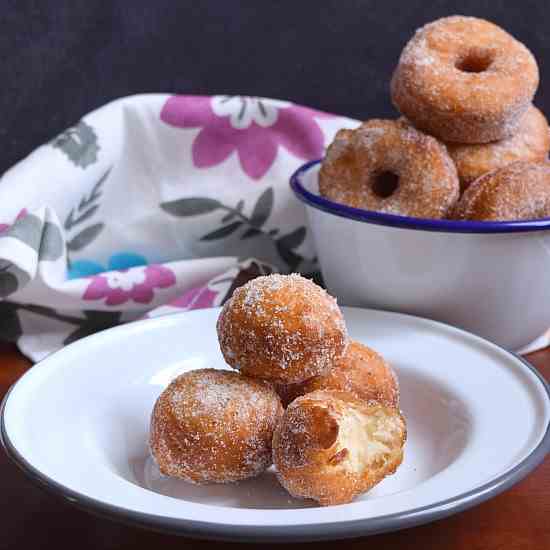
x=491, y=278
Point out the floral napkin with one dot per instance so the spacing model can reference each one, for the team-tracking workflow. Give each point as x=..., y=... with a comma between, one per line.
x=152, y=204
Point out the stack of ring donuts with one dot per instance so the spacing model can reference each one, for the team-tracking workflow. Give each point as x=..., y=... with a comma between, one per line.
x=465, y=88
x=323, y=408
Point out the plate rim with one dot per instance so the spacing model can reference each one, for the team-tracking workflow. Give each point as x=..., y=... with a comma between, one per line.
x=291, y=533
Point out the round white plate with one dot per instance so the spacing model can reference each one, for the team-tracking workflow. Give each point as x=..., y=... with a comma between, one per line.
x=478, y=420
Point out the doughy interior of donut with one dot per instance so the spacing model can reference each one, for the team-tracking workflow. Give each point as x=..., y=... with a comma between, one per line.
x=370, y=440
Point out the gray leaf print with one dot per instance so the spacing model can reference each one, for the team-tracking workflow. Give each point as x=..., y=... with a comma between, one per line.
x=85, y=237
x=192, y=206
x=263, y=208
x=27, y=229
x=51, y=246
x=79, y=143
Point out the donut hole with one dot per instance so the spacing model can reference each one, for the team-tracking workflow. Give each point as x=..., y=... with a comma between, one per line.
x=384, y=184
x=475, y=61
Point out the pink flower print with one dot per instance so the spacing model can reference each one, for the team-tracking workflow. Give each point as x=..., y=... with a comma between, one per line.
x=6, y=226
x=196, y=298
x=137, y=284
x=251, y=126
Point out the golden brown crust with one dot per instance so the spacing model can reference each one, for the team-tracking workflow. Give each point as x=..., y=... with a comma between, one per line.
x=331, y=447
x=282, y=328
x=531, y=142
x=214, y=426
x=427, y=181
x=464, y=80
x=361, y=371
x=519, y=191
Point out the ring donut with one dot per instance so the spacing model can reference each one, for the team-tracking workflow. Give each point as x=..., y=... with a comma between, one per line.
x=531, y=142
x=519, y=191
x=389, y=166
x=465, y=80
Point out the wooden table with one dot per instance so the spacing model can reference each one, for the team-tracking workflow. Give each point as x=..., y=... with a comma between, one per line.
x=518, y=519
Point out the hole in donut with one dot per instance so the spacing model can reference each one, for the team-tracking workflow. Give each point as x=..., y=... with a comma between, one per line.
x=475, y=62
x=384, y=184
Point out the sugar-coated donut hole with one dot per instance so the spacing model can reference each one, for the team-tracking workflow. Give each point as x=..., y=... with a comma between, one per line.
x=385, y=183
x=282, y=328
x=475, y=61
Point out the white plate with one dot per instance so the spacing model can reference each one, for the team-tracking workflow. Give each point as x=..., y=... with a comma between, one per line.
x=477, y=416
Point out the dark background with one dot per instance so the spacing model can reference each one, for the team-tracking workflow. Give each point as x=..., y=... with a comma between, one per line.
x=60, y=59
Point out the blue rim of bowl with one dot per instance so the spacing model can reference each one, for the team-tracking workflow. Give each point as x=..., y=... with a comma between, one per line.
x=291, y=533
x=406, y=222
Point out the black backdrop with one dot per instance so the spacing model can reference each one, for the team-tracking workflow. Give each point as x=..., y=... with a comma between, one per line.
x=63, y=58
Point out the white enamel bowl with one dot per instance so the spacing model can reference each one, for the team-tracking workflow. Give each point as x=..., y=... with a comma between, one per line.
x=78, y=423
x=491, y=278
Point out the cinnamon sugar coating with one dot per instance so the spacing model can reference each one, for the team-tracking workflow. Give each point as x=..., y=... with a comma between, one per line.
x=214, y=426
x=531, y=142
x=361, y=371
x=282, y=328
x=519, y=191
x=426, y=180
x=465, y=80
x=331, y=447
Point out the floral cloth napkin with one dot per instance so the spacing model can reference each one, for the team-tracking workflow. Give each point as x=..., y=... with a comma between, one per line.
x=152, y=204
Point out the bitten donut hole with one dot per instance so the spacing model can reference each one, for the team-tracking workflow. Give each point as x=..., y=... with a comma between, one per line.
x=384, y=184
x=475, y=62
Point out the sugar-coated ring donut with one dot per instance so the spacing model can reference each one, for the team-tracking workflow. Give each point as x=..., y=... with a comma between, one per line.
x=531, y=142
x=331, y=447
x=465, y=80
x=282, y=328
x=214, y=426
x=389, y=166
x=360, y=371
x=519, y=191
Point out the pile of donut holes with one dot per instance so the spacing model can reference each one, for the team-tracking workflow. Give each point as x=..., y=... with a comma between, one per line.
x=321, y=407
